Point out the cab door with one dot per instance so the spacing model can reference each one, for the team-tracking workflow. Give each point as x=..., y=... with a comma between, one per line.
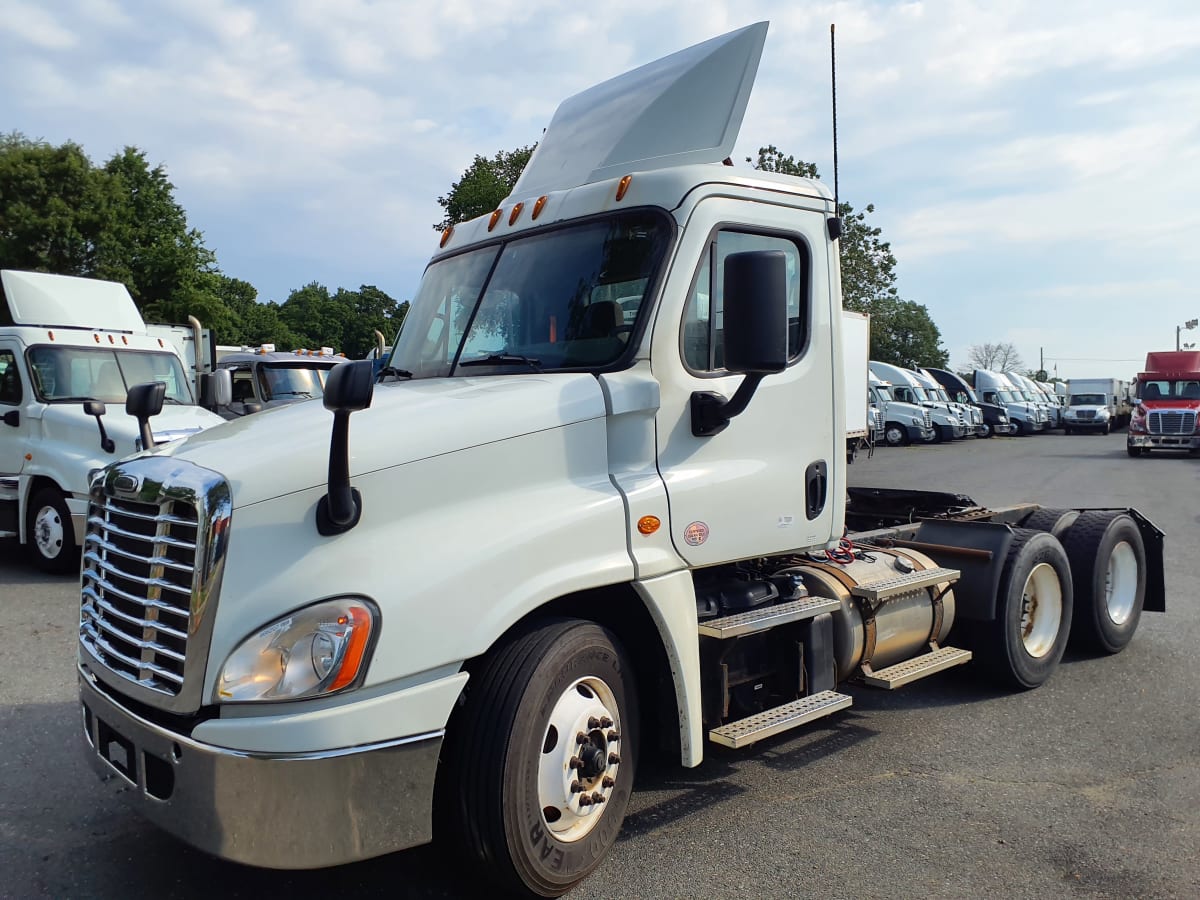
x=766, y=483
x=14, y=395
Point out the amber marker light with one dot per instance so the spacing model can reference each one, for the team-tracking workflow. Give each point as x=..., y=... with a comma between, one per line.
x=623, y=186
x=96, y=337
x=515, y=214
x=495, y=218
x=649, y=524
x=446, y=236
x=357, y=647
x=539, y=206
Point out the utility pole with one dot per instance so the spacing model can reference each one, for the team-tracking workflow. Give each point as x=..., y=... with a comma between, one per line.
x=1189, y=325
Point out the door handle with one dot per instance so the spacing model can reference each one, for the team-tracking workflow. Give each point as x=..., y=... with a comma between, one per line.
x=816, y=488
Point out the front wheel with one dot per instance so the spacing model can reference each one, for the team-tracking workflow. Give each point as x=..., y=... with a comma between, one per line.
x=1022, y=647
x=539, y=760
x=895, y=435
x=49, y=532
x=1135, y=451
x=1108, y=567
x=988, y=431
x=1022, y=428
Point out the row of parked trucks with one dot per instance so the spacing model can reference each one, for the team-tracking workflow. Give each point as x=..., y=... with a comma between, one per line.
x=606, y=516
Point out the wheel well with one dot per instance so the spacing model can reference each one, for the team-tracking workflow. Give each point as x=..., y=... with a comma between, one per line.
x=35, y=484
x=618, y=608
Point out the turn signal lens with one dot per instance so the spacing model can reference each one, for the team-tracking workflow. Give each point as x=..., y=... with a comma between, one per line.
x=649, y=524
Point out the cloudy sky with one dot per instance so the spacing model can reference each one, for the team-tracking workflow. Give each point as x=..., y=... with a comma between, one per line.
x=1035, y=166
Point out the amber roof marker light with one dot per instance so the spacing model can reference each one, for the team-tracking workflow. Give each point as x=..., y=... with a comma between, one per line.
x=446, y=236
x=515, y=214
x=623, y=187
x=495, y=218
x=539, y=206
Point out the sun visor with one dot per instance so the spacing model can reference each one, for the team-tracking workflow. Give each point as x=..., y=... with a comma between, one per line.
x=683, y=108
x=61, y=301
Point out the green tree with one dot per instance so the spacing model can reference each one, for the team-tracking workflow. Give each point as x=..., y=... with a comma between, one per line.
x=483, y=186
x=771, y=159
x=903, y=334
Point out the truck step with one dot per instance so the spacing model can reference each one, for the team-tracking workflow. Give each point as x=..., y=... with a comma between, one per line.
x=767, y=617
x=747, y=731
x=878, y=591
x=916, y=668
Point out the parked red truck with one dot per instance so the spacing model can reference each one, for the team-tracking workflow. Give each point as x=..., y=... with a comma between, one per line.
x=1168, y=404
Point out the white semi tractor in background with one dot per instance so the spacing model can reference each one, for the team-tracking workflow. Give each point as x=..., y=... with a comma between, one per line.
x=995, y=387
x=71, y=349
x=469, y=598
x=949, y=422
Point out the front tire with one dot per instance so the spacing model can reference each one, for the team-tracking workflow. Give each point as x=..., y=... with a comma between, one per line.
x=1021, y=648
x=988, y=431
x=1108, y=567
x=515, y=774
x=895, y=435
x=50, y=534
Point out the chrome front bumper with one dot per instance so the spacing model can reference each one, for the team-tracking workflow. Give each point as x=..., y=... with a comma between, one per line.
x=1166, y=441
x=301, y=811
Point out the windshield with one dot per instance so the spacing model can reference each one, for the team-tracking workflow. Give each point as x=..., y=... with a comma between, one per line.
x=882, y=394
x=74, y=374
x=1005, y=397
x=1087, y=400
x=284, y=382
x=563, y=299
x=1162, y=390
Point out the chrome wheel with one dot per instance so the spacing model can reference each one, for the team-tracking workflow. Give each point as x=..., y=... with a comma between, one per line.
x=1041, y=610
x=579, y=762
x=1121, y=583
x=48, y=532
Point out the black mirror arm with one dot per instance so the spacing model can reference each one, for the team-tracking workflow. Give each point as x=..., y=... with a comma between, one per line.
x=339, y=510
x=711, y=412
x=106, y=443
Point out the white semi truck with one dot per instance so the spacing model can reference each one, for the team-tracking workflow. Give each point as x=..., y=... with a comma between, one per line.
x=552, y=537
x=70, y=351
x=949, y=423
x=864, y=418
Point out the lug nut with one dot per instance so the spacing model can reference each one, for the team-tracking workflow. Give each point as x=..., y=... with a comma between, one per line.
x=613, y=759
x=597, y=797
x=605, y=722
x=581, y=738
x=575, y=763
x=607, y=781
x=576, y=787
x=593, y=723
x=585, y=799
x=614, y=736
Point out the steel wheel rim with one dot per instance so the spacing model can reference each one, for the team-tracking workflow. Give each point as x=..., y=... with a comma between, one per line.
x=893, y=436
x=1041, y=610
x=48, y=532
x=1120, y=583
x=586, y=709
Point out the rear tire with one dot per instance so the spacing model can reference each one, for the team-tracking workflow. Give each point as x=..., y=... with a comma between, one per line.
x=49, y=533
x=504, y=792
x=1108, y=567
x=1055, y=521
x=1021, y=648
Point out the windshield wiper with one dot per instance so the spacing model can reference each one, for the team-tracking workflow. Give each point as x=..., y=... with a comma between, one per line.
x=506, y=359
x=392, y=370
x=293, y=394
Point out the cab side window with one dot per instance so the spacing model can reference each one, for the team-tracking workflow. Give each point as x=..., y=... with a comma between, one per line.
x=10, y=380
x=243, y=385
x=702, y=336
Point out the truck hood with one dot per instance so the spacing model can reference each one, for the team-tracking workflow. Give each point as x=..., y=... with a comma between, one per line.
x=66, y=425
x=282, y=450
x=1170, y=403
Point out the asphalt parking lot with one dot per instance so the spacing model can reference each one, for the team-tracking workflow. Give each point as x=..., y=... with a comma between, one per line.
x=1087, y=787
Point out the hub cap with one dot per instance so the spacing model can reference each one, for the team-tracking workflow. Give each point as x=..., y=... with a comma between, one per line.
x=1041, y=610
x=1120, y=583
x=48, y=532
x=580, y=759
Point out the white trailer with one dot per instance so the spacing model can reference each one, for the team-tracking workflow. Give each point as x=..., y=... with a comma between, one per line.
x=861, y=424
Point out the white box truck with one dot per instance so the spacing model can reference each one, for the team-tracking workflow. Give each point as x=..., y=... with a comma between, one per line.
x=596, y=502
x=71, y=342
x=864, y=420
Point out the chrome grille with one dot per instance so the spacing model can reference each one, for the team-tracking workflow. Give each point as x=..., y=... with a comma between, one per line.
x=928, y=419
x=139, y=565
x=153, y=554
x=1171, y=422
x=1086, y=414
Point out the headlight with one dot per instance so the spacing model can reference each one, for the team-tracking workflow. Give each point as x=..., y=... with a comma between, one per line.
x=311, y=652
x=1102, y=414
x=917, y=421
x=1004, y=420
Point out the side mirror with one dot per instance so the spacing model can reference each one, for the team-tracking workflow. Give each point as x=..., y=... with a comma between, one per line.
x=349, y=389
x=216, y=389
x=96, y=408
x=755, y=330
x=12, y=417
x=143, y=402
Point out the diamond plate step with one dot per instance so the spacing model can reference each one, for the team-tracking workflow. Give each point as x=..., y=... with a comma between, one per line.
x=917, y=667
x=747, y=731
x=877, y=591
x=767, y=617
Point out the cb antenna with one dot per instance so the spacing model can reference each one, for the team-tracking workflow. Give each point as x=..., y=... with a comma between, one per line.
x=833, y=85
